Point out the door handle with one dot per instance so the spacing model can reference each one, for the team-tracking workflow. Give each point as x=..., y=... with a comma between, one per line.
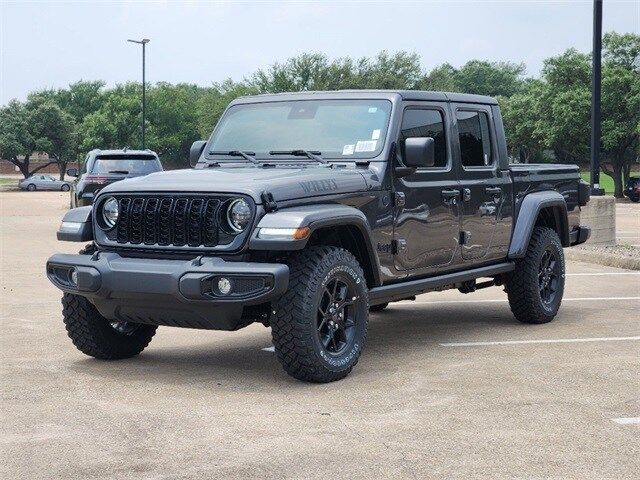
x=493, y=191
x=450, y=193
x=450, y=197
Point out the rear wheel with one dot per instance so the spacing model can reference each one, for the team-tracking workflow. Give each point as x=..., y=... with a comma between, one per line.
x=31, y=187
x=64, y=188
x=320, y=323
x=98, y=337
x=536, y=286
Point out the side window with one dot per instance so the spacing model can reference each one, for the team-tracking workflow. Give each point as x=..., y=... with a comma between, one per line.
x=475, y=140
x=425, y=123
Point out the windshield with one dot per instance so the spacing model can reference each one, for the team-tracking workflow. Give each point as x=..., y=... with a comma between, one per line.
x=125, y=165
x=337, y=129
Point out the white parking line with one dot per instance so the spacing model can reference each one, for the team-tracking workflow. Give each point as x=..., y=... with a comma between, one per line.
x=502, y=300
x=557, y=340
x=600, y=274
x=627, y=420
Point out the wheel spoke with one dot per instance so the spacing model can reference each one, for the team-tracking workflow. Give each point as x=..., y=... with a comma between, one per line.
x=322, y=324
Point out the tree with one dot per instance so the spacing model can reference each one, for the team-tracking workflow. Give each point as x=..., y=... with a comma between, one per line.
x=116, y=124
x=173, y=121
x=490, y=78
x=522, y=113
x=441, y=78
x=620, y=106
x=35, y=126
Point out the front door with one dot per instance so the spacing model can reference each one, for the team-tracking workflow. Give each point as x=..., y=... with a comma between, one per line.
x=426, y=214
x=484, y=187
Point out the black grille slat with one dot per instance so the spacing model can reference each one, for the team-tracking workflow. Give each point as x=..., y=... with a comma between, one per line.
x=136, y=221
x=164, y=221
x=180, y=221
x=210, y=223
x=123, y=220
x=150, y=221
x=194, y=222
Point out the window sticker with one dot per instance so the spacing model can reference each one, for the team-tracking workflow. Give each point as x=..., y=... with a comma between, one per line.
x=373, y=109
x=348, y=149
x=375, y=135
x=366, y=146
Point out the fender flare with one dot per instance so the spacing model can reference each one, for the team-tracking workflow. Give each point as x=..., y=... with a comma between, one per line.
x=315, y=217
x=76, y=225
x=531, y=206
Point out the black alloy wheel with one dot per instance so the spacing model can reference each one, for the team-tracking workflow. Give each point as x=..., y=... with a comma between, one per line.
x=336, y=315
x=548, y=273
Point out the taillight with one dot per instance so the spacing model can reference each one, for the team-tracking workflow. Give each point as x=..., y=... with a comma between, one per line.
x=96, y=179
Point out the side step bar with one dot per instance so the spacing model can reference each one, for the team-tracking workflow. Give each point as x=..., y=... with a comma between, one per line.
x=399, y=291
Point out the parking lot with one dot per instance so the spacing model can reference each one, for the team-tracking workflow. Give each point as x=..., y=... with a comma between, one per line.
x=449, y=386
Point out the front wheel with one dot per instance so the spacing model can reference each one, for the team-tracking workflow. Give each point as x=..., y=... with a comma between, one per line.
x=64, y=188
x=98, y=337
x=31, y=187
x=536, y=286
x=320, y=323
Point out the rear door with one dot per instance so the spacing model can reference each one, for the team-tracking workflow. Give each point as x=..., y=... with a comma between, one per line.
x=484, y=187
x=426, y=213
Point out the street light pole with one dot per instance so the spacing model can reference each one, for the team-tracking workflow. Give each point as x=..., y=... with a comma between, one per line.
x=143, y=42
x=596, y=81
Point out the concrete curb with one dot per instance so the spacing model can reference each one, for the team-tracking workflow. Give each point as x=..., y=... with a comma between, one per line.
x=600, y=258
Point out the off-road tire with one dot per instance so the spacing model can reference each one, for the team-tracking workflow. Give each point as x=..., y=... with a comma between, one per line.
x=379, y=307
x=294, y=324
x=31, y=187
x=522, y=284
x=93, y=334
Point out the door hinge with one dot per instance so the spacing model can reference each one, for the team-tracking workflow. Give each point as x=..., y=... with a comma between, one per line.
x=400, y=199
x=269, y=202
x=398, y=246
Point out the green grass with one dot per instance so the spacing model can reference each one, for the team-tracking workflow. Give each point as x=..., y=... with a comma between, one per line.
x=8, y=181
x=606, y=181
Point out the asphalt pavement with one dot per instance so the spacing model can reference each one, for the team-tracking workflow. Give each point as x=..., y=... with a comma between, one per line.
x=449, y=386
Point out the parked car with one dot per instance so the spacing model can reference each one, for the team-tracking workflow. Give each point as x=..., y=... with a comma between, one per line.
x=103, y=167
x=44, y=182
x=304, y=211
x=633, y=189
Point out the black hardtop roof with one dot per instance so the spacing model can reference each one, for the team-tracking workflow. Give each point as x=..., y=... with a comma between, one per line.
x=369, y=94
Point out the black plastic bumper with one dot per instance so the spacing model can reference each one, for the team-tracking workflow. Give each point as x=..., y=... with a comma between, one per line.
x=181, y=293
x=580, y=235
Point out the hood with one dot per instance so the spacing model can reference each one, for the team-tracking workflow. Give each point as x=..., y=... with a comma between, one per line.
x=284, y=183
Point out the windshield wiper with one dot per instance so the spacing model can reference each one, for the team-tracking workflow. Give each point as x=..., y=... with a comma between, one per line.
x=300, y=153
x=238, y=153
x=123, y=172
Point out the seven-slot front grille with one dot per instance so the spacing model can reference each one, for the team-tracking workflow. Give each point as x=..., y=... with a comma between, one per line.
x=169, y=221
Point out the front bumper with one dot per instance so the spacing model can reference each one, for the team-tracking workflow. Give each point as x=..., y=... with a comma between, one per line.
x=180, y=293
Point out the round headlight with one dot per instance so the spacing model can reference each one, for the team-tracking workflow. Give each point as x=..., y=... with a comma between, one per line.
x=110, y=212
x=239, y=215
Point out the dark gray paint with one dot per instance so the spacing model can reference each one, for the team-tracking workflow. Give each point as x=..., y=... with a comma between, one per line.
x=364, y=195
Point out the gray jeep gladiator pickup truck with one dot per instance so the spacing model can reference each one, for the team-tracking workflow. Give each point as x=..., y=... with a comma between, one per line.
x=306, y=211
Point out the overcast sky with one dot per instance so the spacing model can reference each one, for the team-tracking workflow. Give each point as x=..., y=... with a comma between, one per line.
x=51, y=44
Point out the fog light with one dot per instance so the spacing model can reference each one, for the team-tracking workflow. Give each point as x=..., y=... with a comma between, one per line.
x=73, y=277
x=224, y=286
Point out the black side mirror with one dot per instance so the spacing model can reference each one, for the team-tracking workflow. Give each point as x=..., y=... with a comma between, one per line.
x=419, y=152
x=72, y=172
x=196, y=150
